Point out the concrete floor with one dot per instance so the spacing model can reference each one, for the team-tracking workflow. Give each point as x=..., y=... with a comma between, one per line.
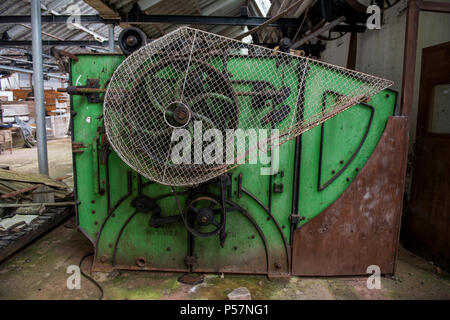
x=40, y=270
x=59, y=159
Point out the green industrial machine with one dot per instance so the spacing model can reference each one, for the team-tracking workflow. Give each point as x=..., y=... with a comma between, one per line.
x=237, y=220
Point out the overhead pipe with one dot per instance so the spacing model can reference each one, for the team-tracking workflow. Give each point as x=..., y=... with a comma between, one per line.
x=318, y=32
x=303, y=7
x=38, y=74
x=21, y=70
x=28, y=62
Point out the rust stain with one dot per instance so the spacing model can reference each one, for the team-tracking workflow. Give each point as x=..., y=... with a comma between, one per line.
x=361, y=228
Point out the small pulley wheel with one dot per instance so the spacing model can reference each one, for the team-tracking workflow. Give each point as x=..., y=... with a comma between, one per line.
x=131, y=39
x=196, y=218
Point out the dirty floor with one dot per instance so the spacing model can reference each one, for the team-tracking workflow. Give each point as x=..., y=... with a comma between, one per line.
x=40, y=270
x=59, y=159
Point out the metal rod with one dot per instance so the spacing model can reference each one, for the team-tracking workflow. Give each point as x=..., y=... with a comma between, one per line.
x=111, y=38
x=268, y=22
x=319, y=31
x=26, y=51
x=434, y=6
x=29, y=62
x=35, y=204
x=53, y=43
x=15, y=69
x=38, y=88
x=409, y=58
x=155, y=19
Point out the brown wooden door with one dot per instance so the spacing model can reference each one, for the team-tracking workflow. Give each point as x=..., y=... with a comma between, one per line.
x=428, y=218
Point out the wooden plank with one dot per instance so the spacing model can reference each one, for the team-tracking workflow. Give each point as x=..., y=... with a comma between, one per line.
x=18, y=192
x=15, y=185
x=105, y=11
x=34, y=178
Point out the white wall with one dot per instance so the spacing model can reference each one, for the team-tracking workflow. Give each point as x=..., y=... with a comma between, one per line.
x=380, y=52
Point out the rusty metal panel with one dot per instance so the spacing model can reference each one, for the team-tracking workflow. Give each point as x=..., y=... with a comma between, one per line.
x=361, y=228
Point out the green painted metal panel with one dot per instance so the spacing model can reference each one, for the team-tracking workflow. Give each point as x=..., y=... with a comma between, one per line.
x=106, y=186
x=341, y=137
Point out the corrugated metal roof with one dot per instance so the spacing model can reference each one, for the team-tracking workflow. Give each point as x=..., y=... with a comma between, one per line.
x=52, y=31
x=184, y=7
x=63, y=32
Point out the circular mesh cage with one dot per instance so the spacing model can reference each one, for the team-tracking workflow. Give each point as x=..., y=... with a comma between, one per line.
x=175, y=109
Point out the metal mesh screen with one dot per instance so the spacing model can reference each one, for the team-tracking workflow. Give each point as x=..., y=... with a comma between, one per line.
x=196, y=81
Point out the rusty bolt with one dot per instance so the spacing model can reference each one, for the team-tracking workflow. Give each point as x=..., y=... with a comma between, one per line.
x=140, y=262
x=348, y=179
x=131, y=40
x=103, y=259
x=182, y=115
x=168, y=249
x=93, y=211
x=110, y=245
x=333, y=172
x=341, y=162
x=92, y=201
x=357, y=169
x=204, y=219
x=235, y=247
x=277, y=265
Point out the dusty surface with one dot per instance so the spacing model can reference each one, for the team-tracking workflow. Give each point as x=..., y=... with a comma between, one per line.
x=40, y=270
x=59, y=159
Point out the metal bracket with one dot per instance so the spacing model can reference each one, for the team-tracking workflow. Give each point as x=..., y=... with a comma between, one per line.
x=91, y=90
x=278, y=188
x=76, y=146
x=191, y=261
x=294, y=218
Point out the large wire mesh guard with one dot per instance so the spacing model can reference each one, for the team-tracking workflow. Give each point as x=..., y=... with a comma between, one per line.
x=191, y=81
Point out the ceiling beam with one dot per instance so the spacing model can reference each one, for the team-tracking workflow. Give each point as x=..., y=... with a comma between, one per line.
x=63, y=43
x=152, y=19
x=104, y=10
x=49, y=8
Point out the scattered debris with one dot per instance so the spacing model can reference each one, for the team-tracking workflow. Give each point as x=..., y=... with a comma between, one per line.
x=191, y=279
x=30, y=204
x=17, y=221
x=241, y=293
x=15, y=186
x=100, y=276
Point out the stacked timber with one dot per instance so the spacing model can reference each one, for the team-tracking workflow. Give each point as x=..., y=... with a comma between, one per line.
x=15, y=186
